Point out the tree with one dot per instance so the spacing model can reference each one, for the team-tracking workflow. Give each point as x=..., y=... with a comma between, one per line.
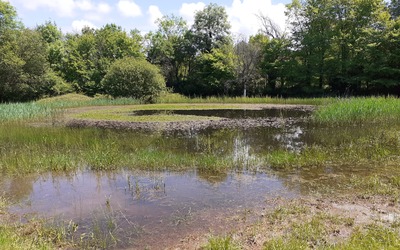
x=394, y=8
x=137, y=78
x=167, y=49
x=23, y=66
x=248, y=59
x=213, y=73
x=89, y=55
x=211, y=28
x=8, y=17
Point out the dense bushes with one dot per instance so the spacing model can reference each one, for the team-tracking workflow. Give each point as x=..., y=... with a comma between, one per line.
x=137, y=78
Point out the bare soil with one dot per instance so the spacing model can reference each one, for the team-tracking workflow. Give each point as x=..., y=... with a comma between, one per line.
x=187, y=125
x=254, y=229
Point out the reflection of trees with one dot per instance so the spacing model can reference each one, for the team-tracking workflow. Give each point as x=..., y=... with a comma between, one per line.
x=335, y=172
x=17, y=188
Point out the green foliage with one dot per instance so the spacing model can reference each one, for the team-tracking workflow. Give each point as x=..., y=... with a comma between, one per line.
x=167, y=49
x=8, y=17
x=89, y=55
x=211, y=28
x=23, y=65
x=130, y=77
x=213, y=72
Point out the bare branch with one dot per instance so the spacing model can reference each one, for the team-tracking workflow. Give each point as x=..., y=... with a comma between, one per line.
x=269, y=27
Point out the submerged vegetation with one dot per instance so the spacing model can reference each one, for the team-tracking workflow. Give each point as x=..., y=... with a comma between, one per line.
x=338, y=158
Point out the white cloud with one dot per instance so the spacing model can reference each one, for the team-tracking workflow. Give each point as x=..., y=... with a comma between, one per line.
x=129, y=8
x=84, y=5
x=188, y=11
x=78, y=25
x=154, y=14
x=103, y=8
x=61, y=7
x=243, y=15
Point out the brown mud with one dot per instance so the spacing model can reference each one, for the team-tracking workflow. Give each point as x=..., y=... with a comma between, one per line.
x=253, y=229
x=273, y=122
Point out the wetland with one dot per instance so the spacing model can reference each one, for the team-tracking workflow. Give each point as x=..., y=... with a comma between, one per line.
x=244, y=176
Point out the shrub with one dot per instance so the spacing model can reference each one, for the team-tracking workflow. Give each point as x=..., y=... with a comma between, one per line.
x=137, y=78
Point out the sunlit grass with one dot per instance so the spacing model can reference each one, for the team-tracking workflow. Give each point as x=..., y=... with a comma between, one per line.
x=220, y=243
x=359, y=110
x=177, y=98
x=24, y=111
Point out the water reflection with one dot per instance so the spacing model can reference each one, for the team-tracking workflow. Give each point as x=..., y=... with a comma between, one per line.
x=230, y=113
x=152, y=201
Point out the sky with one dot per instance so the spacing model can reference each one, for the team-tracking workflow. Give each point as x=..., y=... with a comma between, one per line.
x=73, y=15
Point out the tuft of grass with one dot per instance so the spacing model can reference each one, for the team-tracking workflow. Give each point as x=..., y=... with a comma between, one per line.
x=316, y=233
x=221, y=243
x=372, y=237
x=359, y=110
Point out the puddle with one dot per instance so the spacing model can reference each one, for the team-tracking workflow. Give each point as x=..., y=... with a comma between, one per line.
x=161, y=207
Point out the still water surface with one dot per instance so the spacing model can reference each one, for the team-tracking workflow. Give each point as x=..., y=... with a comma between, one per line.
x=159, y=208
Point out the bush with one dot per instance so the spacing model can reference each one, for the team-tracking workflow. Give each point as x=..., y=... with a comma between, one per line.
x=137, y=78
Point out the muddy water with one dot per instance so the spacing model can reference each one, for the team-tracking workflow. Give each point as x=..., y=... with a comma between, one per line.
x=152, y=208
x=158, y=209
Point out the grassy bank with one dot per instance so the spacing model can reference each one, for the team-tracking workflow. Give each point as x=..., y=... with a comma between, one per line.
x=312, y=225
x=359, y=111
x=176, y=98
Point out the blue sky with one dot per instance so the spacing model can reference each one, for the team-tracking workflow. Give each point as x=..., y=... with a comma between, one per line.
x=72, y=15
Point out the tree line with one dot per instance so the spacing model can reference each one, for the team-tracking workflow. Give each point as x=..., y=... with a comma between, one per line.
x=330, y=47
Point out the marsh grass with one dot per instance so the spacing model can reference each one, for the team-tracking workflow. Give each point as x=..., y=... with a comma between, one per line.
x=359, y=111
x=370, y=150
x=24, y=111
x=105, y=229
x=78, y=100
x=177, y=98
x=26, y=149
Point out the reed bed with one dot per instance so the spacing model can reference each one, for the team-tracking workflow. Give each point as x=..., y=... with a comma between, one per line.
x=177, y=98
x=24, y=111
x=359, y=110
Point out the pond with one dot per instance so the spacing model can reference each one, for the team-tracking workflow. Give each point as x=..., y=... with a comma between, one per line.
x=150, y=208
x=159, y=208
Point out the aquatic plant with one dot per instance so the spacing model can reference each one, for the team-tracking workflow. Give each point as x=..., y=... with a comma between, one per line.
x=359, y=110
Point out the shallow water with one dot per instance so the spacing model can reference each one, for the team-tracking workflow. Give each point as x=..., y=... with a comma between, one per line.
x=162, y=204
x=159, y=208
x=230, y=113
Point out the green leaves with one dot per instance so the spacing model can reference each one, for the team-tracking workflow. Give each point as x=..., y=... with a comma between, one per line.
x=135, y=78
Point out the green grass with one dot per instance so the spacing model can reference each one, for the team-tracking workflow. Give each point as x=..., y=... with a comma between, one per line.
x=315, y=234
x=26, y=149
x=177, y=98
x=24, y=111
x=359, y=110
x=78, y=100
x=32, y=235
x=220, y=243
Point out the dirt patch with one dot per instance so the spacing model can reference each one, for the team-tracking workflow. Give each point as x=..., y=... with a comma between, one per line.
x=182, y=126
x=188, y=125
x=341, y=215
